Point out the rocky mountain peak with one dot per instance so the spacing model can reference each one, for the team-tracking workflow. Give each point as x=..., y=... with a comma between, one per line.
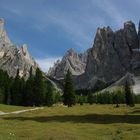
x=13, y=58
x=71, y=51
x=3, y=35
x=1, y=25
x=71, y=60
x=131, y=35
x=103, y=30
x=70, y=54
x=112, y=56
x=129, y=24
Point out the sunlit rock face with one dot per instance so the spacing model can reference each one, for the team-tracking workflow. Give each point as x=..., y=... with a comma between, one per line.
x=73, y=61
x=13, y=58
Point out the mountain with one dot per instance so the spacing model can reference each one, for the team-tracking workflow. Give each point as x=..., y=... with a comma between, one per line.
x=113, y=55
x=13, y=58
x=71, y=60
x=113, y=59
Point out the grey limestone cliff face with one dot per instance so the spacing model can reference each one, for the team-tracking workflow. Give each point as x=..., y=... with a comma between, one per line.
x=73, y=61
x=13, y=58
x=112, y=56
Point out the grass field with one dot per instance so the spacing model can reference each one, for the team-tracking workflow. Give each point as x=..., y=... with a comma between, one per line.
x=8, y=108
x=87, y=122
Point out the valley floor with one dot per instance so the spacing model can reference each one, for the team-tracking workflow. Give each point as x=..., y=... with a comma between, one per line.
x=87, y=122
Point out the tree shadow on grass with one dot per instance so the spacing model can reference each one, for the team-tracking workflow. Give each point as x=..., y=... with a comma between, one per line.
x=135, y=111
x=89, y=118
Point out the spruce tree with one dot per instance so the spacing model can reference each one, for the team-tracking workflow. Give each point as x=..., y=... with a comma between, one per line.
x=69, y=93
x=22, y=90
x=38, y=88
x=29, y=97
x=16, y=91
x=128, y=94
x=49, y=99
x=116, y=98
x=90, y=98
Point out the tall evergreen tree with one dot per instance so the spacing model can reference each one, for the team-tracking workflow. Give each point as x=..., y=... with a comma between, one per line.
x=29, y=97
x=16, y=90
x=128, y=94
x=38, y=88
x=49, y=99
x=69, y=93
x=22, y=90
x=7, y=90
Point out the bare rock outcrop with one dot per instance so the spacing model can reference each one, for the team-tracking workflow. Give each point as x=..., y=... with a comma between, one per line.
x=13, y=58
x=73, y=61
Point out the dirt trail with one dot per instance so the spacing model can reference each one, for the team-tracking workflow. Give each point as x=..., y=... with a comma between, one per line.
x=20, y=111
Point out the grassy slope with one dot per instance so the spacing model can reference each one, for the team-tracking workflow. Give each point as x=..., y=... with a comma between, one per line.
x=96, y=122
x=8, y=108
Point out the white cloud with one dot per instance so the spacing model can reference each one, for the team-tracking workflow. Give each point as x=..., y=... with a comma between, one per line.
x=46, y=63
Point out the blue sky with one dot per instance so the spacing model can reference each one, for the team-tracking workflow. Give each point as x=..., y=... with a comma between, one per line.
x=51, y=27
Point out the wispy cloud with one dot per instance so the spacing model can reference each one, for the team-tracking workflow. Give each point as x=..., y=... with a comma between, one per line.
x=75, y=22
x=111, y=10
x=46, y=63
x=79, y=26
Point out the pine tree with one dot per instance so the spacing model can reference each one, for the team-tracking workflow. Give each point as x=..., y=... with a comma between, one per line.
x=128, y=94
x=22, y=90
x=38, y=88
x=116, y=98
x=90, y=98
x=16, y=91
x=69, y=93
x=49, y=99
x=29, y=99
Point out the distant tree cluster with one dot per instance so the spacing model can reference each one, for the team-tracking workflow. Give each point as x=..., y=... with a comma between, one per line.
x=124, y=96
x=36, y=91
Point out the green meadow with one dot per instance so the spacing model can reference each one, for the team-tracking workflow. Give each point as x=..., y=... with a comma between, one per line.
x=87, y=122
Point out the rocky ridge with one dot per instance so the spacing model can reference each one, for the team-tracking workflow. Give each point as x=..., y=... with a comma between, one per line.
x=71, y=60
x=114, y=54
x=13, y=58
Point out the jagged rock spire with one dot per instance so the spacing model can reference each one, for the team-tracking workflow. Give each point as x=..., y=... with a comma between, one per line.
x=131, y=35
x=3, y=35
x=1, y=25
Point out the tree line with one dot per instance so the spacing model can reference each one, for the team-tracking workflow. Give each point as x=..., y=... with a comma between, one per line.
x=36, y=91
x=121, y=96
